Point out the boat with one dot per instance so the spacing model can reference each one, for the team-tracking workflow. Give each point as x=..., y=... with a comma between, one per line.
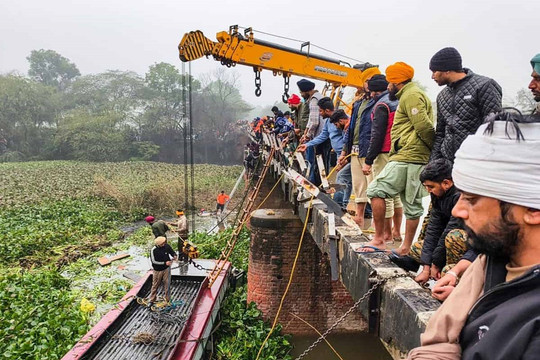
x=132, y=330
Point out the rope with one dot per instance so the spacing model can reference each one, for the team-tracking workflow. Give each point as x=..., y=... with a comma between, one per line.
x=290, y=279
x=335, y=167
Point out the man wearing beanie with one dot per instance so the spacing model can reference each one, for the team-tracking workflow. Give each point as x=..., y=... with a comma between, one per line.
x=411, y=140
x=462, y=105
x=493, y=312
x=356, y=141
x=162, y=255
x=534, y=85
x=382, y=118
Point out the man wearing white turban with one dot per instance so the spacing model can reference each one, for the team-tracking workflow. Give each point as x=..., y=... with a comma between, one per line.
x=494, y=312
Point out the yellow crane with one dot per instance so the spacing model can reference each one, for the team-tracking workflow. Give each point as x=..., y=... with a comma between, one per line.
x=233, y=48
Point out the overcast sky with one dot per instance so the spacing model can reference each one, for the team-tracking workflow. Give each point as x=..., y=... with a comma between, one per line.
x=495, y=38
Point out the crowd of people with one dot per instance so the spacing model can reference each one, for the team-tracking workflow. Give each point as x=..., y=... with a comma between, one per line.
x=479, y=163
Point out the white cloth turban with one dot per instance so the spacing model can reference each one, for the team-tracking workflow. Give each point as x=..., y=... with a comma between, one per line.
x=499, y=166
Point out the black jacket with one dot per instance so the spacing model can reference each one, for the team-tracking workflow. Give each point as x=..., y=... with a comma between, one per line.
x=461, y=109
x=441, y=222
x=379, y=126
x=505, y=322
x=159, y=255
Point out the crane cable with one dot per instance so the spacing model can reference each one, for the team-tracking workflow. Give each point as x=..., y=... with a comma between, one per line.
x=300, y=41
x=290, y=278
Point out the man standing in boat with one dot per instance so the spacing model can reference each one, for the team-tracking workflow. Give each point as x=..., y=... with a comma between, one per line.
x=162, y=255
x=182, y=231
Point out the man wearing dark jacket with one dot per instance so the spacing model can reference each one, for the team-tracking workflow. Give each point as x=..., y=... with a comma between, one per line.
x=494, y=313
x=356, y=141
x=462, y=105
x=378, y=147
x=445, y=241
x=162, y=255
x=159, y=227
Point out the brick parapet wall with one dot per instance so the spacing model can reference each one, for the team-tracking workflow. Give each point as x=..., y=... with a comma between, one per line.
x=312, y=295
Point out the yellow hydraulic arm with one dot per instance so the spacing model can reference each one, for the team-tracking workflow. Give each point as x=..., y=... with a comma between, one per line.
x=234, y=48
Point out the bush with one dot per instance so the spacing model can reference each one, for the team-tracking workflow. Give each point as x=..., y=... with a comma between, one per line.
x=37, y=324
x=243, y=331
x=43, y=230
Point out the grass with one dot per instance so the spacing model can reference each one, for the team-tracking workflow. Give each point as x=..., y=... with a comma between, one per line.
x=133, y=188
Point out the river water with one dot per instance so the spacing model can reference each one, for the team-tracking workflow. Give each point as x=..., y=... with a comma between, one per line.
x=349, y=346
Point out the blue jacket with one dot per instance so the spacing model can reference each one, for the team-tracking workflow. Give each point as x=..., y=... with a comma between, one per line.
x=364, y=137
x=282, y=126
x=329, y=131
x=364, y=129
x=348, y=137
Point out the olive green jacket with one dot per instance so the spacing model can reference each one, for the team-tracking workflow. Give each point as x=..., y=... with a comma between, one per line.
x=413, y=131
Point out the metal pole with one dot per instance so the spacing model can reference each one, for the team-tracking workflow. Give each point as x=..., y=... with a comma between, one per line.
x=191, y=150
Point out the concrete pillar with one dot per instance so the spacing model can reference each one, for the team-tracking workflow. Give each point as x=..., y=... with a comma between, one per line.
x=275, y=235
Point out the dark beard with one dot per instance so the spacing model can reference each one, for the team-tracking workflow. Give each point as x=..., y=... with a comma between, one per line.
x=392, y=94
x=499, y=239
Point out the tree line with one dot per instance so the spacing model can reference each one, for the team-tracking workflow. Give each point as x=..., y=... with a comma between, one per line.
x=54, y=112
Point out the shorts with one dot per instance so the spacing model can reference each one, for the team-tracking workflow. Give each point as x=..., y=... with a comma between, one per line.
x=403, y=179
x=391, y=203
x=360, y=181
x=220, y=207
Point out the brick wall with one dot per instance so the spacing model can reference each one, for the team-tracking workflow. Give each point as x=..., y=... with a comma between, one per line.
x=312, y=295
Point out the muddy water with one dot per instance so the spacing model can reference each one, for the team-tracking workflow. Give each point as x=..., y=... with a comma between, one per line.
x=348, y=346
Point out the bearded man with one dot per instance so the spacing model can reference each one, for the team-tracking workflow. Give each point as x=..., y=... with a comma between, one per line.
x=494, y=312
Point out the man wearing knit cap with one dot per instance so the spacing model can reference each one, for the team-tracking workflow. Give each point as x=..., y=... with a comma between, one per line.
x=462, y=105
x=493, y=312
x=162, y=255
x=310, y=116
x=382, y=118
x=534, y=85
x=411, y=142
x=356, y=141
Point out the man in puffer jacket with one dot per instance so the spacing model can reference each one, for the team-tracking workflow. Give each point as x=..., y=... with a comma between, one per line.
x=462, y=105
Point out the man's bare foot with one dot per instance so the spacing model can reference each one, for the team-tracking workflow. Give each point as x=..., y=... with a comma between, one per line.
x=359, y=221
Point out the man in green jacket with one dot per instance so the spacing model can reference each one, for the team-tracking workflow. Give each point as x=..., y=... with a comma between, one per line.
x=412, y=139
x=159, y=227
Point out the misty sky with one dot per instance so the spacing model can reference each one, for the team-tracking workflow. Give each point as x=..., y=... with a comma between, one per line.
x=495, y=38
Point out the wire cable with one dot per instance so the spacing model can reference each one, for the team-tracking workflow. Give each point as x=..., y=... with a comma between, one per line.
x=301, y=41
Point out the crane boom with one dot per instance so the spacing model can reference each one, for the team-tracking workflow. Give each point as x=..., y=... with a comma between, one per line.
x=233, y=48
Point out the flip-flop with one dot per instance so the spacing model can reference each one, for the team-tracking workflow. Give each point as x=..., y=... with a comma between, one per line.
x=374, y=248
